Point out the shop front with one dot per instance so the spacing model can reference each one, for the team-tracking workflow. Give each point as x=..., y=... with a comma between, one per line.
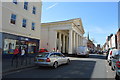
x=10, y=42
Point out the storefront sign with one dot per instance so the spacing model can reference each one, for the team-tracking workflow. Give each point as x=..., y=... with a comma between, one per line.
x=26, y=39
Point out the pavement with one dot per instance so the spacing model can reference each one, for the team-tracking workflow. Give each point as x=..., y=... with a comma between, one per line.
x=7, y=67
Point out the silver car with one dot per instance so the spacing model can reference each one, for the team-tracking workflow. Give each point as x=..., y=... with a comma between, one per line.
x=53, y=59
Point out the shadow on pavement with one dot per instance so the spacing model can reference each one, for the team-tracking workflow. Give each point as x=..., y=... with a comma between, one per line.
x=95, y=56
x=76, y=69
x=20, y=63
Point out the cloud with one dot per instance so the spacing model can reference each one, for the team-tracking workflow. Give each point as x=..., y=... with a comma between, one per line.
x=51, y=6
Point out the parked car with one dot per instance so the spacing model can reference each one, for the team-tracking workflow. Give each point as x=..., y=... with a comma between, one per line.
x=53, y=59
x=43, y=50
x=107, y=52
x=111, y=53
x=82, y=50
x=115, y=64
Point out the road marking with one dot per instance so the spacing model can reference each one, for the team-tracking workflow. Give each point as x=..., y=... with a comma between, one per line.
x=107, y=71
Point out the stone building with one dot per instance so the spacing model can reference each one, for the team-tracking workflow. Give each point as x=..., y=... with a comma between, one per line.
x=21, y=26
x=64, y=36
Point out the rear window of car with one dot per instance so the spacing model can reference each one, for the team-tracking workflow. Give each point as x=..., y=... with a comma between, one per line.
x=117, y=53
x=42, y=55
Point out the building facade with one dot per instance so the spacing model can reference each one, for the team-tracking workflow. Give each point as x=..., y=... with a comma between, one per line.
x=64, y=36
x=90, y=45
x=85, y=41
x=0, y=25
x=118, y=39
x=21, y=26
x=111, y=42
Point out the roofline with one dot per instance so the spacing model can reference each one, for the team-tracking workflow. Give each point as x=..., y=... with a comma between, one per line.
x=70, y=20
x=65, y=22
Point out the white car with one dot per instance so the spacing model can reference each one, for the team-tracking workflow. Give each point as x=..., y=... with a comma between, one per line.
x=110, y=55
x=82, y=50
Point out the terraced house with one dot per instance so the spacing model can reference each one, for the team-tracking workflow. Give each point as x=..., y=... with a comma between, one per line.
x=21, y=26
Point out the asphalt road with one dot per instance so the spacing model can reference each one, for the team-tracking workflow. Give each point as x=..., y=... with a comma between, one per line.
x=95, y=66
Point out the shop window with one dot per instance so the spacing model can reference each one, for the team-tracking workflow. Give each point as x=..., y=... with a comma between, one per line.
x=9, y=46
x=31, y=47
x=13, y=18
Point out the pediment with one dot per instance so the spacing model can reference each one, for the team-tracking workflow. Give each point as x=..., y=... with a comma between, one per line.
x=78, y=22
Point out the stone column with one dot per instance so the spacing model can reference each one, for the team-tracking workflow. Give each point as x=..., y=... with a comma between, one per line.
x=74, y=42
x=77, y=41
x=67, y=42
x=70, y=41
x=80, y=41
x=60, y=44
x=64, y=44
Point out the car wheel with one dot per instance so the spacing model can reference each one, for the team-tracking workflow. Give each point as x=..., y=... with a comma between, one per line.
x=68, y=61
x=112, y=68
x=86, y=56
x=55, y=65
x=109, y=63
x=117, y=77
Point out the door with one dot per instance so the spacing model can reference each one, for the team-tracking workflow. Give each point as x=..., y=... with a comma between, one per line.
x=63, y=59
x=58, y=58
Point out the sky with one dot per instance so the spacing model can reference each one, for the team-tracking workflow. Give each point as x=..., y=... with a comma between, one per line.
x=100, y=19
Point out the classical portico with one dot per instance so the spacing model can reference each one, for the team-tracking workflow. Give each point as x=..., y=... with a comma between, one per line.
x=64, y=36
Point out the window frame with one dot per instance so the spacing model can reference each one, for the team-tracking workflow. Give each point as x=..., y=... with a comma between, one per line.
x=15, y=2
x=33, y=27
x=52, y=55
x=26, y=5
x=13, y=18
x=24, y=23
x=34, y=10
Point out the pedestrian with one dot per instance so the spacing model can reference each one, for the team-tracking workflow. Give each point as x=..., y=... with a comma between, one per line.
x=26, y=56
x=22, y=55
x=15, y=56
x=58, y=51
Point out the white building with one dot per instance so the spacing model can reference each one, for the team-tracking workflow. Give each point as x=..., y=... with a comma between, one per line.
x=21, y=25
x=64, y=36
x=114, y=41
x=85, y=41
x=111, y=41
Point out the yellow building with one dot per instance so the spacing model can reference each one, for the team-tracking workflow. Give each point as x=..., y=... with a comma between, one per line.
x=21, y=25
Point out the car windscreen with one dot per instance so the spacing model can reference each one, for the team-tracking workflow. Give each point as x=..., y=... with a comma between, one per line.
x=43, y=55
x=117, y=52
